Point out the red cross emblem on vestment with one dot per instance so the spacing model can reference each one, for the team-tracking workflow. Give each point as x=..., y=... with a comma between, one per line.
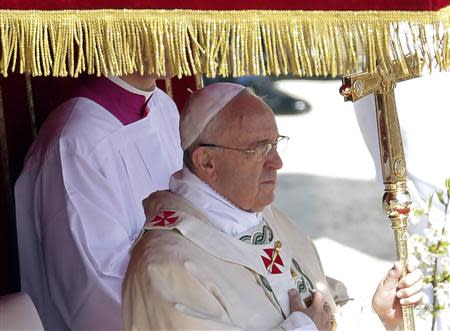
x=164, y=218
x=274, y=259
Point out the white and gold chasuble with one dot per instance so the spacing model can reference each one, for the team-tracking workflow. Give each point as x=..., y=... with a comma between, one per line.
x=186, y=274
x=272, y=263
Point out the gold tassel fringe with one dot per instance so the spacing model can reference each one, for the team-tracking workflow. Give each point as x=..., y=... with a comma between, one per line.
x=225, y=43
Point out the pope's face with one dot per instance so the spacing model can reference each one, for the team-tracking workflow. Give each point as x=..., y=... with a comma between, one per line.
x=242, y=178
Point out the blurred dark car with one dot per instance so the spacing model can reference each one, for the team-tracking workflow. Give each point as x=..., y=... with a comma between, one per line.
x=280, y=102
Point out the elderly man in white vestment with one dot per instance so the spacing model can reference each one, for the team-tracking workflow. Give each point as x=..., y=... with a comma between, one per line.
x=214, y=253
x=79, y=197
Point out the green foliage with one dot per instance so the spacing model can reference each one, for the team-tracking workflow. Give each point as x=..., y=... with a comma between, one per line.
x=430, y=202
x=418, y=212
x=444, y=277
x=440, y=248
x=440, y=195
x=428, y=279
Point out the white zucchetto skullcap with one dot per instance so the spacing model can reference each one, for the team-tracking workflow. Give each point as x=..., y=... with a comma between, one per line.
x=202, y=106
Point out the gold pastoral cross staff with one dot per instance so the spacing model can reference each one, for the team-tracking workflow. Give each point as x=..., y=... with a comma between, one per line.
x=396, y=198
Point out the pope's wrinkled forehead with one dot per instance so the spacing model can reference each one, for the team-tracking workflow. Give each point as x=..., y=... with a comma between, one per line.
x=203, y=105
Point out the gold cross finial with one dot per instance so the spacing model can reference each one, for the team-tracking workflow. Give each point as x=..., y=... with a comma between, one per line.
x=357, y=86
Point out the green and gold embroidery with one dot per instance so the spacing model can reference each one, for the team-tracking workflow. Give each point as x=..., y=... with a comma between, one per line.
x=259, y=237
x=302, y=282
x=263, y=282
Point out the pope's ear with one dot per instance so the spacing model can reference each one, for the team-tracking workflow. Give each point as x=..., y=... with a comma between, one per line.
x=202, y=159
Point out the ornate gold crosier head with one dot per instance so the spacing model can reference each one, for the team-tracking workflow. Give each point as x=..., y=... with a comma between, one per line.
x=396, y=198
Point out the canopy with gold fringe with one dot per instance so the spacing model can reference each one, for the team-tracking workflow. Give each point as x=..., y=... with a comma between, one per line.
x=304, y=38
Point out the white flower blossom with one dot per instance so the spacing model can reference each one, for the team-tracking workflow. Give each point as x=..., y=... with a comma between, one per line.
x=436, y=218
x=429, y=251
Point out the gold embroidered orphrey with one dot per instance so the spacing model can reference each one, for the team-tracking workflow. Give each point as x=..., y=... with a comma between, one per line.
x=396, y=198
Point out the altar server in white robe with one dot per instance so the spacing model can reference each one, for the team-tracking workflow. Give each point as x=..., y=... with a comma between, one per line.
x=79, y=197
x=214, y=253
